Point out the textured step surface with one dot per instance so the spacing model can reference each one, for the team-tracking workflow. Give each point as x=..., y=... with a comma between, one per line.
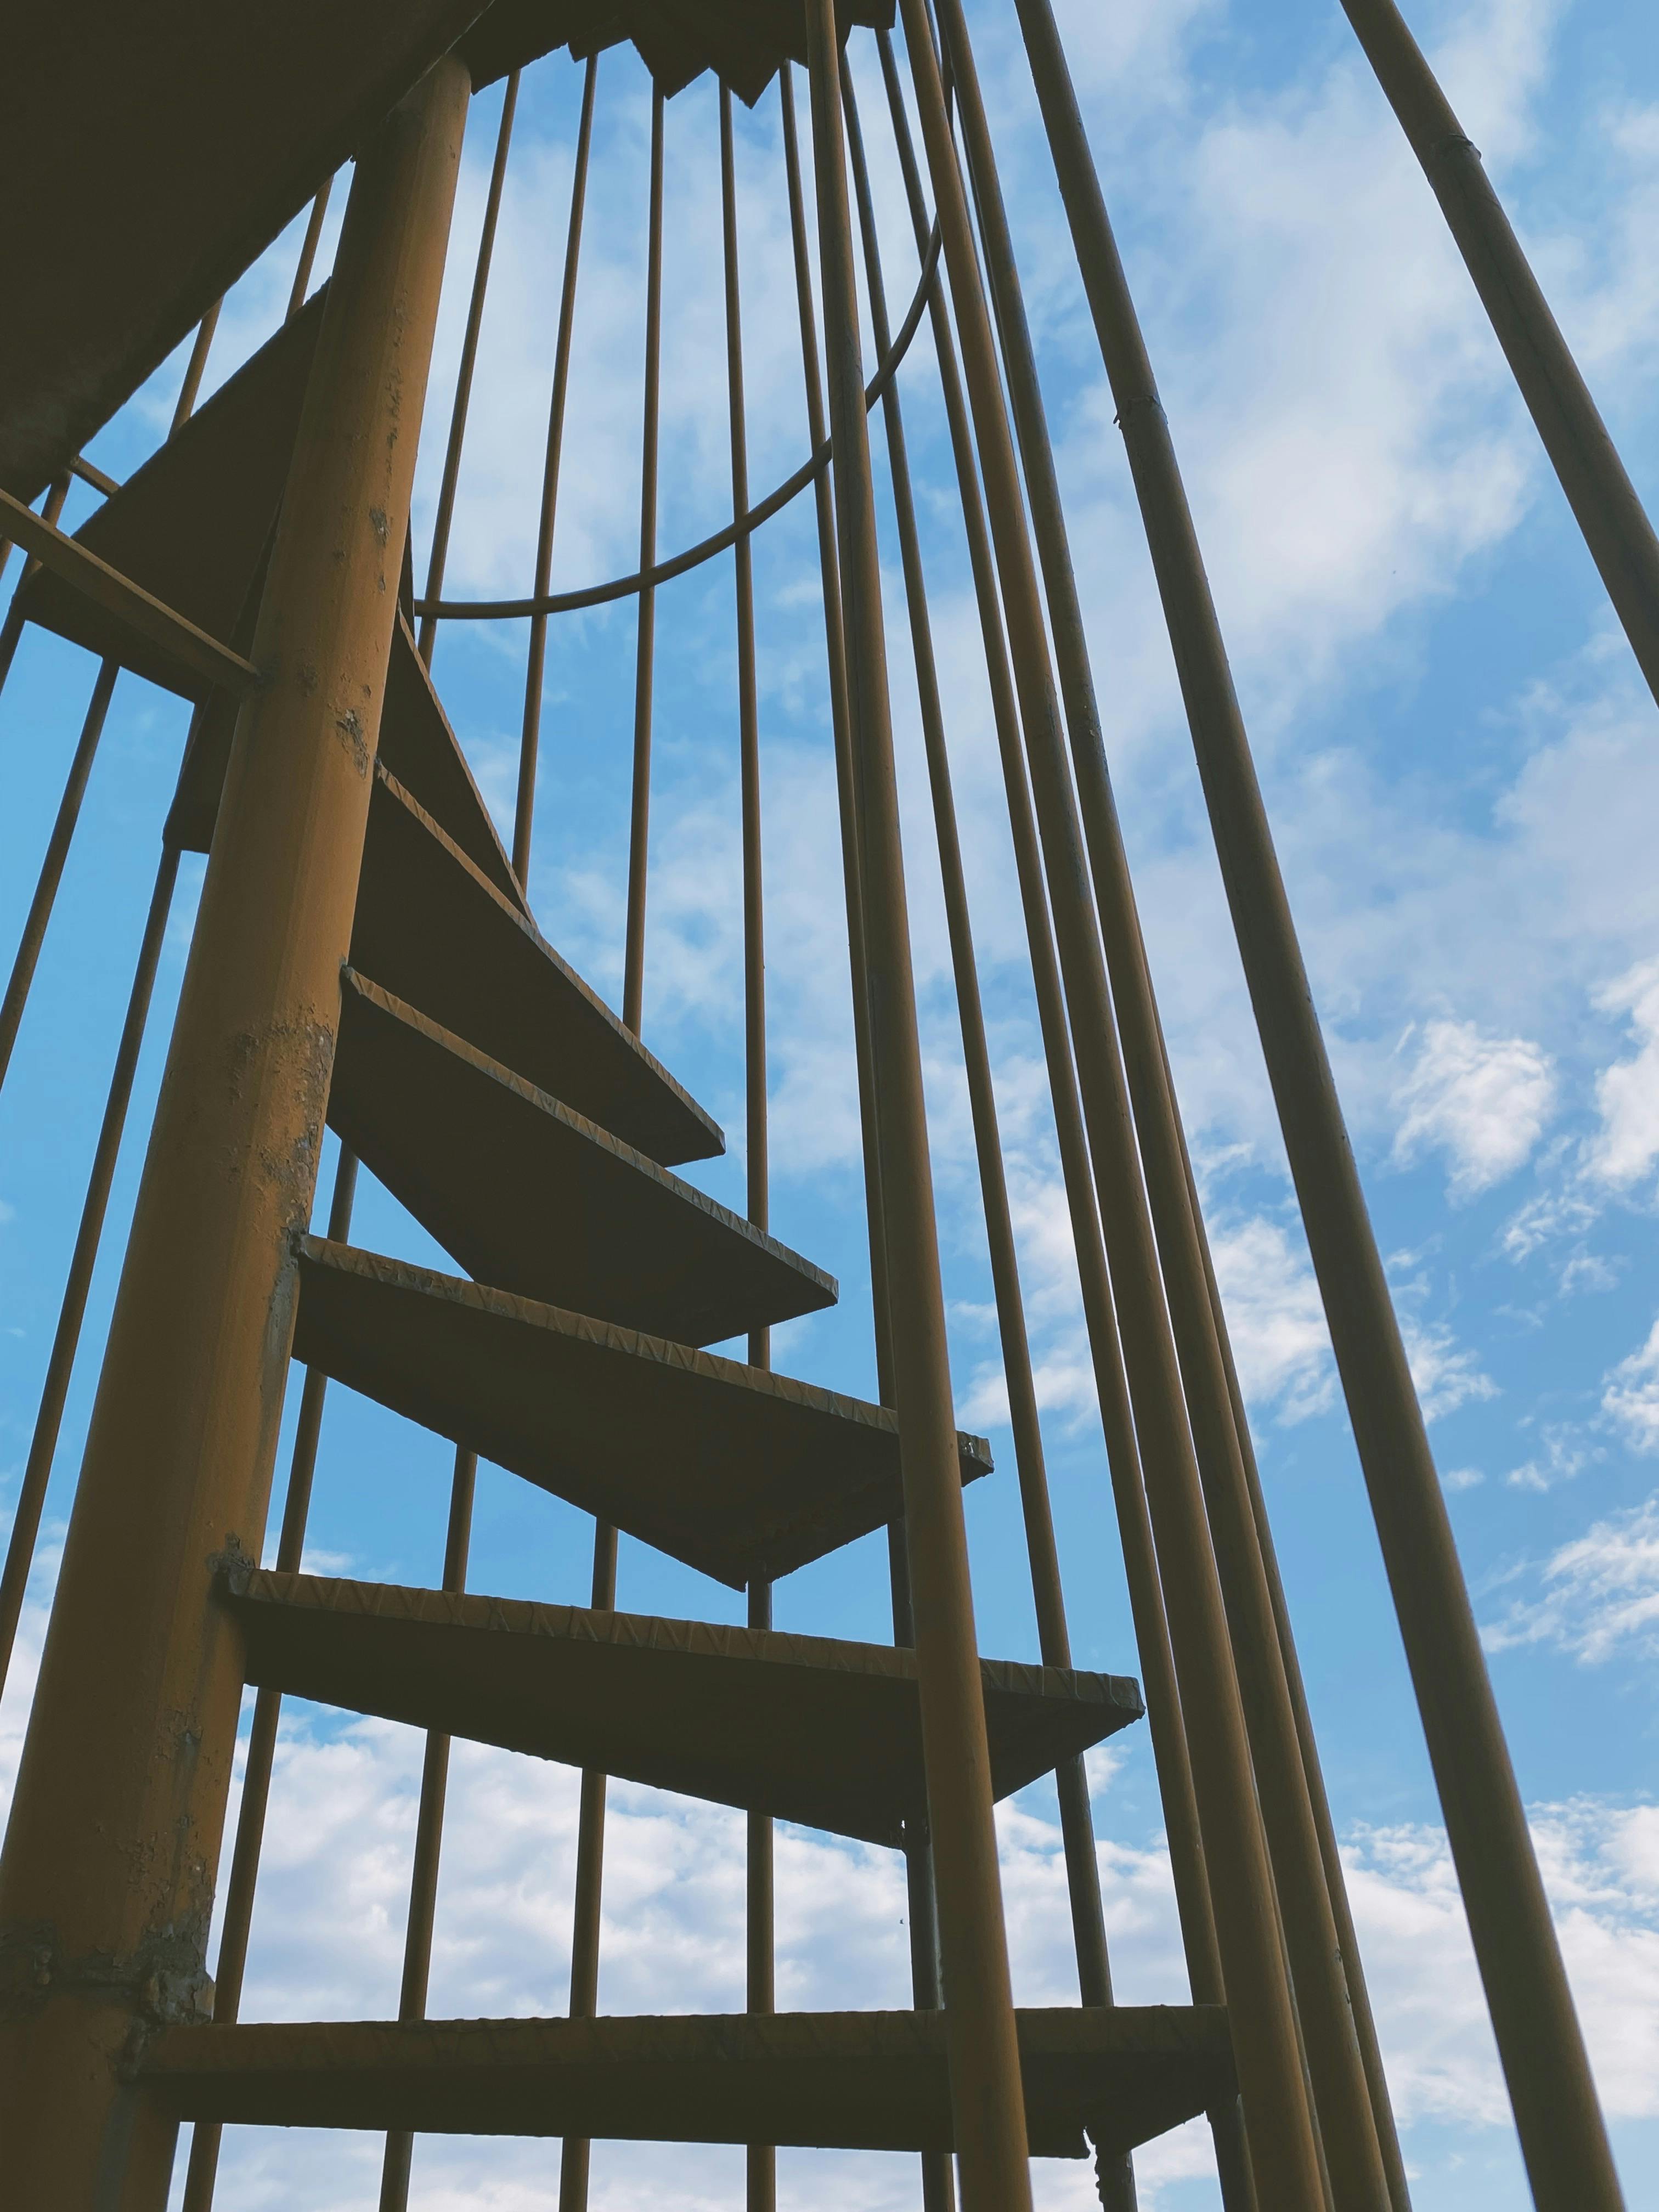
x=432, y=929
x=739, y=1472
x=532, y=1198
x=805, y=1727
x=854, y=2080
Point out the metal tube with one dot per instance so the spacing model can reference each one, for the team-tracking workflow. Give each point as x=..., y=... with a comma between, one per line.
x=1336, y=1881
x=576, y=2155
x=1563, y=2136
x=839, y=718
x=1082, y=1873
x=308, y=244
x=428, y=1840
x=1282, y=2144
x=761, y=2163
x=530, y=737
x=1159, y=1678
x=937, y=2180
x=1604, y=500
x=52, y=866
x=646, y=644
x=48, y=1420
x=196, y=368
x=142, y=1670
x=988, y=2107
x=444, y=516
x=231, y=1966
x=1347, y=2125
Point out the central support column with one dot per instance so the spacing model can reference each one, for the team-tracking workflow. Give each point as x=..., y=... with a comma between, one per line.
x=106, y=1882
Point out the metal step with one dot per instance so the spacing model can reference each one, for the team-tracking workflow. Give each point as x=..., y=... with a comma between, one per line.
x=416, y=745
x=531, y=1197
x=193, y=524
x=432, y=929
x=805, y=1727
x=740, y=1474
x=851, y=2080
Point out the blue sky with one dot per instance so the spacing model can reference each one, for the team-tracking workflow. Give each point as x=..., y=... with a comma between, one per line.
x=1461, y=765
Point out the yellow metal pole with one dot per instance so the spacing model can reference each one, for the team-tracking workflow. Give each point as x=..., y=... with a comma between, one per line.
x=107, y=1883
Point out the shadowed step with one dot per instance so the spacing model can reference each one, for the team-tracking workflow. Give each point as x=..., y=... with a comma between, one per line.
x=872, y=2080
x=741, y=1474
x=805, y=1727
x=531, y=1197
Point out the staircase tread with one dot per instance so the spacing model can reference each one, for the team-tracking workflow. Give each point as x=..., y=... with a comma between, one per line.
x=845, y=2080
x=193, y=524
x=742, y=1474
x=531, y=1196
x=809, y=1728
x=433, y=931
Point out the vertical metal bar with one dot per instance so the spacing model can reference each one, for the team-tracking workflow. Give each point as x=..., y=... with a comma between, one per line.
x=1347, y=1939
x=760, y=1982
x=530, y=739
x=988, y=2106
x=1082, y=1868
x=308, y=244
x=429, y=1841
x=587, y=1912
x=1564, y=2139
x=646, y=644
x=43, y=1443
x=1283, y=2149
x=937, y=2182
x=196, y=368
x=835, y=650
x=446, y=510
x=52, y=867
x=1604, y=502
x=1347, y=2125
x=1169, y=1747
x=231, y=1966
x=112, y=1849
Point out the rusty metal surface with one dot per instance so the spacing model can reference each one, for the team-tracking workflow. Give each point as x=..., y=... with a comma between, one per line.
x=807, y=1728
x=736, y=1471
x=109, y=1855
x=862, y=2079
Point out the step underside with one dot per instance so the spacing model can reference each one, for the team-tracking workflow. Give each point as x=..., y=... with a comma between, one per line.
x=808, y=1729
x=531, y=1197
x=833, y=2080
x=741, y=1474
x=432, y=929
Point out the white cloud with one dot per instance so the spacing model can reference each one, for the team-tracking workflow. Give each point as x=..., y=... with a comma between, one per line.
x=1563, y=1453
x=1484, y=1101
x=1627, y=1093
x=1275, y=1318
x=1629, y=1399
x=1600, y=1593
x=1447, y=1375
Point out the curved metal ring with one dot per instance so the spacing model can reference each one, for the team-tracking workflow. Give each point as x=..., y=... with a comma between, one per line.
x=621, y=587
